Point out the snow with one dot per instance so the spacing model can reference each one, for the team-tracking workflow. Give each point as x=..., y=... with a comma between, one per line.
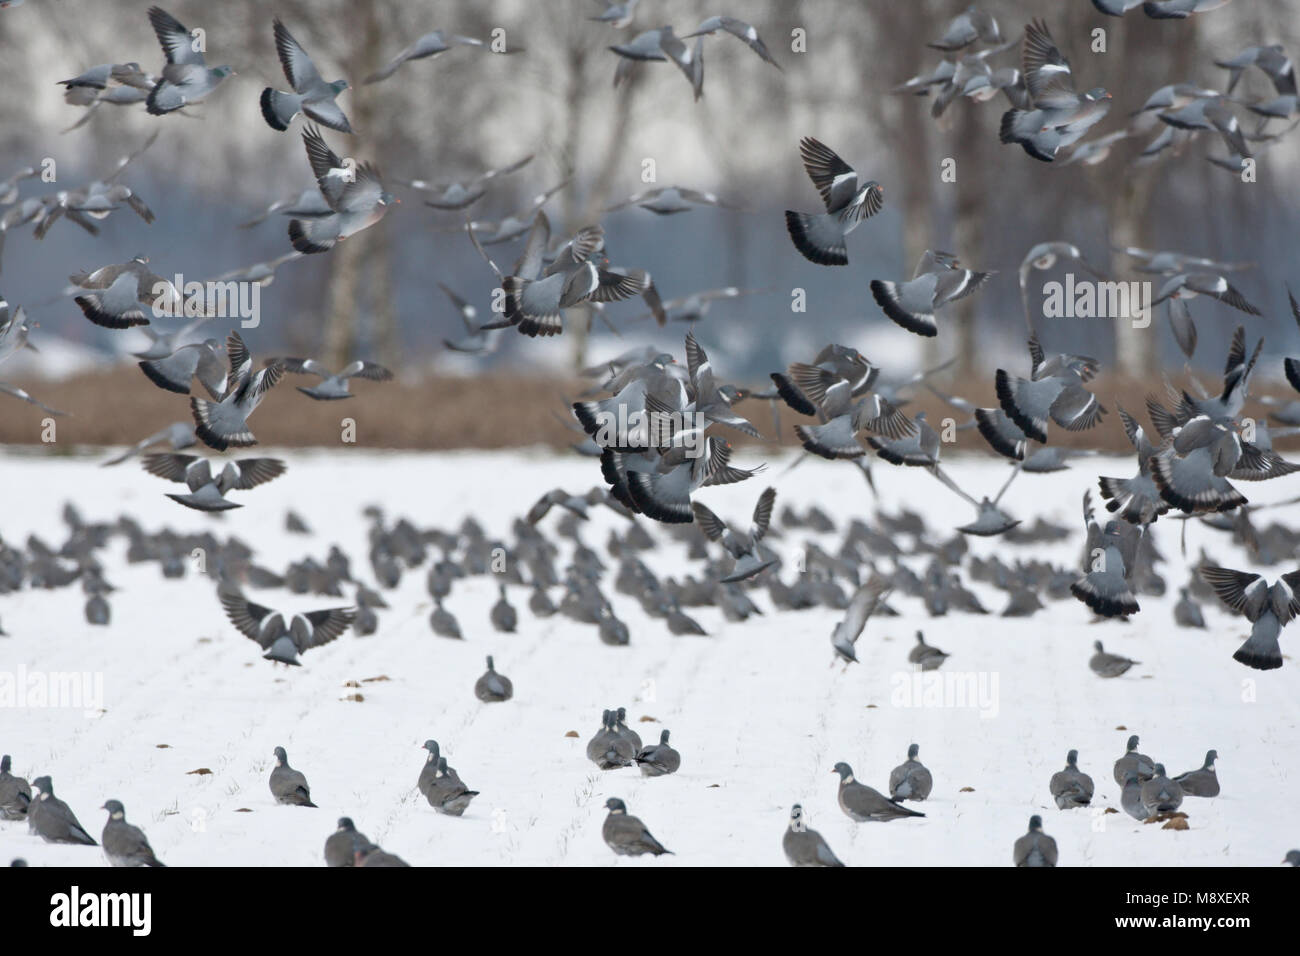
x=759, y=710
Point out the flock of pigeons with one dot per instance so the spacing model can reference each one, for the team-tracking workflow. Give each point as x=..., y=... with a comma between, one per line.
x=650, y=422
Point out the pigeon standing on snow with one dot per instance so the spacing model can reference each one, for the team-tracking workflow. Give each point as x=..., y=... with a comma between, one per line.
x=659, y=759
x=15, y=793
x=1160, y=794
x=1035, y=848
x=124, y=844
x=311, y=95
x=926, y=656
x=804, y=847
x=1071, y=787
x=1104, y=664
x=1140, y=764
x=493, y=687
x=910, y=780
x=503, y=615
x=627, y=835
x=1130, y=797
x=1187, y=613
x=186, y=78
x=288, y=786
x=341, y=846
x=865, y=805
x=53, y=820
x=1203, y=782
x=819, y=237
x=448, y=794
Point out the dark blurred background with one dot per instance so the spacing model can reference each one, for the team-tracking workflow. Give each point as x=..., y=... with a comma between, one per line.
x=467, y=110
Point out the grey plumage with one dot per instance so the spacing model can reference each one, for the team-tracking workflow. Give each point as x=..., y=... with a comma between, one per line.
x=186, y=79
x=1104, y=664
x=124, y=844
x=288, y=786
x=311, y=95
x=1140, y=764
x=53, y=820
x=911, y=779
x=865, y=601
x=1160, y=794
x=15, y=793
x=1202, y=782
x=804, y=847
x=1071, y=787
x=1130, y=797
x=626, y=835
x=864, y=804
x=1035, y=848
x=342, y=845
x=493, y=687
x=659, y=759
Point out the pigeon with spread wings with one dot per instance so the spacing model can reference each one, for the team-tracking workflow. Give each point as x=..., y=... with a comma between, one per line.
x=820, y=237
x=266, y=625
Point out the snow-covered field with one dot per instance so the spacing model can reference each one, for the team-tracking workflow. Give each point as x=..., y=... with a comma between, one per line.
x=759, y=710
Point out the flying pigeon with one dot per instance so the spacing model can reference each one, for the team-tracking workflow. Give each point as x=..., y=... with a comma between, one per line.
x=266, y=626
x=1110, y=555
x=186, y=78
x=1268, y=608
x=737, y=28
x=866, y=600
x=334, y=385
x=1060, y=116
x=425, y=46
x=820, y=237
x=462, y=193
x=750, y=560
x=224, y=423
x=111, y=296
x=311, y=95
x=206, y=492
x=355, y=194
x=939, y=279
